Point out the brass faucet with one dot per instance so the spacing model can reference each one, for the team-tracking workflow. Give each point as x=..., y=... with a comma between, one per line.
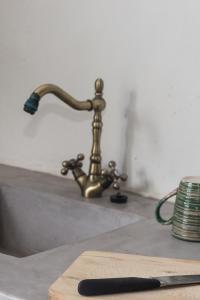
x=97, y=180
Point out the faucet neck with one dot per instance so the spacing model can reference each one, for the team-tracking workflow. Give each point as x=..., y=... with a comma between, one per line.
x=97, y=124
x=95, y=158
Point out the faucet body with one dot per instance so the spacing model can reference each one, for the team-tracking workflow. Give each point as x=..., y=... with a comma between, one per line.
x=93, y=184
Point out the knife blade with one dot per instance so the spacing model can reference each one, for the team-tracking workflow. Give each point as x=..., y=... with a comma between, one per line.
x=106, y=286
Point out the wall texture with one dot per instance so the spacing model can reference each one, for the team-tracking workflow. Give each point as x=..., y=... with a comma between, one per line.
x=147, y=52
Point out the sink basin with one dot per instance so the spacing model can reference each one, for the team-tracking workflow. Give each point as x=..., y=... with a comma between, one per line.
x=32, y=221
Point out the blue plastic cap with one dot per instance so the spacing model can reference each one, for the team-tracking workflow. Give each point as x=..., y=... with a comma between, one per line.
x=31, y=105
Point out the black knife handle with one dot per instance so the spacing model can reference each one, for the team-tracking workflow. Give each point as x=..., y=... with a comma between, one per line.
x=95, y=287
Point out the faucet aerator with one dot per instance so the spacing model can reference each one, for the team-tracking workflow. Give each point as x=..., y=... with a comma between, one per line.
x=31, y=105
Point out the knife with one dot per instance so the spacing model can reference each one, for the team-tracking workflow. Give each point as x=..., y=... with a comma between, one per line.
x=106, y=286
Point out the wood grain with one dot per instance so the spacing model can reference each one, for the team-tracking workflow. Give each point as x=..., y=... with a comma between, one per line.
x=95, y=264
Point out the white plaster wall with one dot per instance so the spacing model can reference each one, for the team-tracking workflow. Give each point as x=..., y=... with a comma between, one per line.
x=147, y=52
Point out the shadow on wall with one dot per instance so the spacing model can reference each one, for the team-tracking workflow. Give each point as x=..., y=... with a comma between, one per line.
x=1, y=218
x=132, y=125
x=62, y=111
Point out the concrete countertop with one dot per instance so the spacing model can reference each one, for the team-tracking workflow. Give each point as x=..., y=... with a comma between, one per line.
x=31, y=276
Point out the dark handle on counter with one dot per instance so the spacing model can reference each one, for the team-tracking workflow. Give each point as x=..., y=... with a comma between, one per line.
x=96, y=287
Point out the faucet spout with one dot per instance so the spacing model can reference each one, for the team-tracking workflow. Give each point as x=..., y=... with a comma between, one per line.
x=31, y=105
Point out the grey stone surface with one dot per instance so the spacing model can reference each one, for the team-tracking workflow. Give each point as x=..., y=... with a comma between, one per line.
x=31, y=221
x=60, y=186
x=30, y=277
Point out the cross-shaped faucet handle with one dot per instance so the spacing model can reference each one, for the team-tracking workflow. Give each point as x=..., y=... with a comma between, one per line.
x=72, y=164
x=114, y=174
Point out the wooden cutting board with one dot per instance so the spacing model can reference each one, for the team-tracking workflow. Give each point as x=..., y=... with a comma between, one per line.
x=95, y=264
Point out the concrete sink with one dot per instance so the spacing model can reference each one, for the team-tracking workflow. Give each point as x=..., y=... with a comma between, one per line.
x=32, y=222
